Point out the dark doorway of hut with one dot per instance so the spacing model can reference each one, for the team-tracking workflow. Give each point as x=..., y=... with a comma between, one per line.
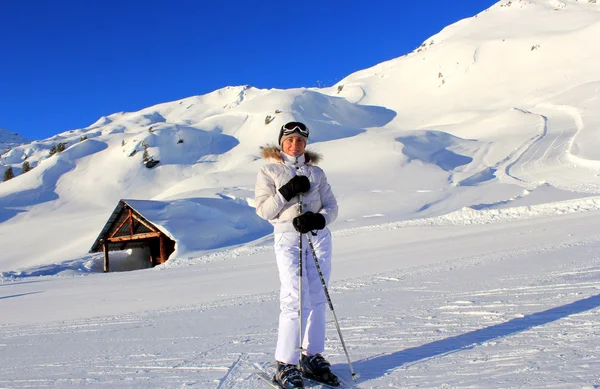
x=145, y=254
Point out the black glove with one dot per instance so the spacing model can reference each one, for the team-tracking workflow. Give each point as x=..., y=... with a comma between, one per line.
x=298, y=184
x=309, y=222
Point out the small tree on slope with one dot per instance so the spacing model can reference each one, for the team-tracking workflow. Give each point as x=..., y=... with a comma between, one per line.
x=8, y=174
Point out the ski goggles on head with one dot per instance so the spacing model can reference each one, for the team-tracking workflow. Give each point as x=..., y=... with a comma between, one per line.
x=292, y=127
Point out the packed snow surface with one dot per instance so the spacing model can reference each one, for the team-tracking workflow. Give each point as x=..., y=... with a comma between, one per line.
x=509, y=304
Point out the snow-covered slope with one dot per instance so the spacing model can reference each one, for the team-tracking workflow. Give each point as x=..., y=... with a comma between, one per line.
x=499, y=110
x=489, y=306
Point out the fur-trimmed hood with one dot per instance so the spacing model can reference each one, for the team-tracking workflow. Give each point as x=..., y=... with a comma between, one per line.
x=272, y=152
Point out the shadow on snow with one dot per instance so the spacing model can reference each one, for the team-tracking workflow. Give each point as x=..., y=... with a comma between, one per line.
x=18, y=283
x=378, y=366
x=18, y=295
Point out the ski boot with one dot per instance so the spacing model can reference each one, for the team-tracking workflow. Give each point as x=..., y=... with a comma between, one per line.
x=316, y=368
x=288, y=376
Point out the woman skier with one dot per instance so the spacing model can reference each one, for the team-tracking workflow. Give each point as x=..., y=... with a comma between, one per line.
x=291, y=175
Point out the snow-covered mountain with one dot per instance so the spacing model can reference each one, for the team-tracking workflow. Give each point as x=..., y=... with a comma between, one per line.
x=466, y=252
x=499, y=110
x=10, y=139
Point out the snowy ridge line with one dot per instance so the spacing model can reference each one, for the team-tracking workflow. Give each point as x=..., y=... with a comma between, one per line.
x=468, y=216
x=218, y=255
x=461, y=217
x=453, y=264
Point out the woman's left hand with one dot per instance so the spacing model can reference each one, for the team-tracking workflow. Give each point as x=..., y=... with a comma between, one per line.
x=308, y=222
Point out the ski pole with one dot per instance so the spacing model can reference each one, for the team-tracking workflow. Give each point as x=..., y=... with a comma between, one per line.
x=300, y=332
x=355, y=376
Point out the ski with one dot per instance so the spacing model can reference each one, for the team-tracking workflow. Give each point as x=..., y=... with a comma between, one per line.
x=266, y=377
x=267, y=380
x=322, y=384
x=342, y=385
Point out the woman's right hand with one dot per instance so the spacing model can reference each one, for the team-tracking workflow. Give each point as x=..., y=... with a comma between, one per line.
x=298, y=184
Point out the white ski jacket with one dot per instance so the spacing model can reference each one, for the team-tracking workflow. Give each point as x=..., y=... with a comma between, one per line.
x=272, y=206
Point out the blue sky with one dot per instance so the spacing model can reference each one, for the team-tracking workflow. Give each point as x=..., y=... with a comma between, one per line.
x=65, y=63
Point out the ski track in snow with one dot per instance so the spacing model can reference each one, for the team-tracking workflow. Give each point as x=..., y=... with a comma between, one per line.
x=515, y=158
x=550, y=153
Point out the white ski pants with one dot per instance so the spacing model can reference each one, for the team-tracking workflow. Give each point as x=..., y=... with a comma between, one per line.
x=314, y=302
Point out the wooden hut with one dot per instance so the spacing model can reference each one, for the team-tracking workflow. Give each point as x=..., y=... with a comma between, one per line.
x=126, y=229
